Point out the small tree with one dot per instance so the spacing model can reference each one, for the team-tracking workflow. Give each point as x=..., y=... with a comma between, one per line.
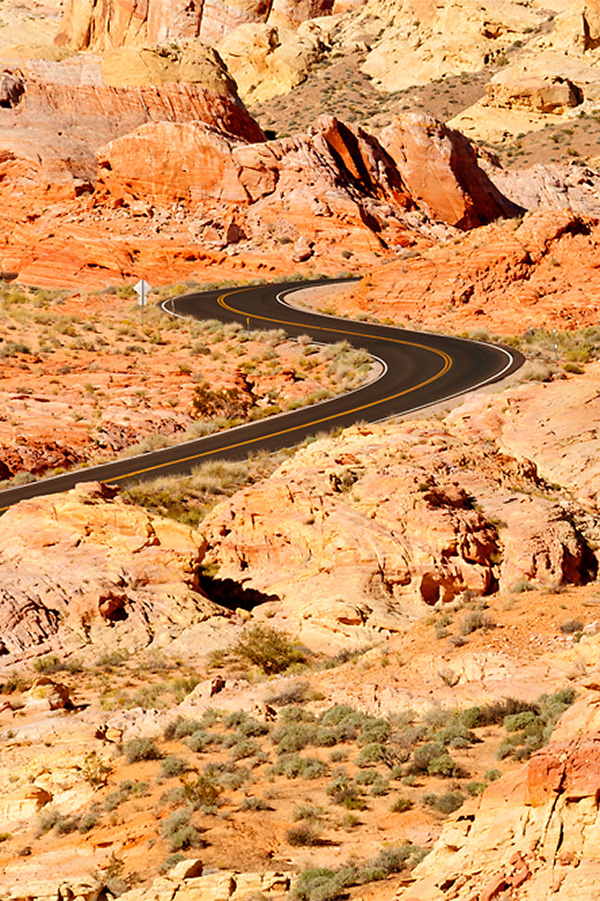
x=267, y=648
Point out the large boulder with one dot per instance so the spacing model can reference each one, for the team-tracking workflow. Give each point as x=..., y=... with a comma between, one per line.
x=441, y=169
x=85, y=567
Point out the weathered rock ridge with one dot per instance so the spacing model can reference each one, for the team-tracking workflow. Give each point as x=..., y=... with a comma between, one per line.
x=365, y=537
x=532, y=834
x=54, y=115
x=85, y=567
x=102, y=24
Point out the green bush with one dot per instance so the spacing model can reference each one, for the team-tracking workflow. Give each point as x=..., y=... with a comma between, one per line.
x=446, y=803
x=173, y=766
x=293, y=766
x=432, y=758
x=48, y=665
x=244, y=748
x=201, y=793
x=137, y=749
x=305, y=834
x=517, y=721
x=294, y=737
x=322, y=884
x=374, y=731
x=571, y=626
x=473, y=620
x=401, y=804
x=267, y=648
x=376, y=753
x=179, y=832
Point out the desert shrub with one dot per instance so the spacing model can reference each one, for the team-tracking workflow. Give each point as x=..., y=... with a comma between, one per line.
x=325, y=737
x=201, y=793
x=170, y=861
x=88, y=821
x=322, y=884
x=445, y=803
x=199, y=740
x=173, y=766
x=473, y=620
x=49, y=664
x=366, y=777
x=475, y=788
x=376, y=753
x=494, y=713
x=47, y=820
x=432, y=758
x=296, y=714
x=95, y=769
x=305, y=834
x=294, y=737
x=293, y=766
x=335, y=715
x=251, y=728
x=308, y=812
x=517, y=721
x=571, y=626
x=573, y=368
x=244, y=748
x=271, y=650
x=400, y=804
x=115, y=799
x=374, y=730
x=66, y=825
x=179, y=831
x=391, y=859
x=255, y=804
x=456, y=736
x=141, y=748
x=492, y=775
x=349, y=798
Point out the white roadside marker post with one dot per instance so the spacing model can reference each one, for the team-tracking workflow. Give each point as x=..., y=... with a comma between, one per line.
x=142, y=288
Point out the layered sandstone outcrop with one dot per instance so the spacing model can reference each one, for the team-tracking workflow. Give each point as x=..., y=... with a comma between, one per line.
x=366, y=537
x=334, y=174
x=506, y=277
x=102, y=24
x=416, y=41
x=440, y=167
x=55, y=114
x=533, y=834
x=86, y=567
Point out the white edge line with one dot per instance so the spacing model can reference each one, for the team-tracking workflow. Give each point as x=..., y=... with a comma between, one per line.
x=279, y=298
x=441, y=400
x=245, y=425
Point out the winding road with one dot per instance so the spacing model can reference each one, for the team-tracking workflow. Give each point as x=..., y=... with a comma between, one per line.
x=417, y=370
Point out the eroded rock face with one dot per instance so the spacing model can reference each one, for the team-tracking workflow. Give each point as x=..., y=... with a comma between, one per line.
x=549, y=94
x=102, y=24
x=535, y=832
x=56, y=114
x=371, y=536
x=85, y=567
x=440, y=167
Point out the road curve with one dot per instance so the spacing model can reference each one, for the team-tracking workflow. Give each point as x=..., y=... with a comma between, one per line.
x=418, y=370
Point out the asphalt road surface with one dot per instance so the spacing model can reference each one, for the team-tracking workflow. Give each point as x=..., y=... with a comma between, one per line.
x=417, y=370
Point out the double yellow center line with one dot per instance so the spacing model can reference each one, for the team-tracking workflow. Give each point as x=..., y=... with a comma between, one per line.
x=222, y=301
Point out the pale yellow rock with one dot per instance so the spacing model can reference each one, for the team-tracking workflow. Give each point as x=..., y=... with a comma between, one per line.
x=267, y=61
x=423, y=40
x=193, y=62
x=22, y=804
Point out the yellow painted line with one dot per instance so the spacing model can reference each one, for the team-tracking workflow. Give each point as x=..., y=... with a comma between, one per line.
x=221, y=301
x=447, y=364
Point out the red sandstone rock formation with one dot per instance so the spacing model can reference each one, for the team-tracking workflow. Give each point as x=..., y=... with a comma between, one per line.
x=441, y=169
x=531, y=835
x=101, y=24
x=81, y=567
